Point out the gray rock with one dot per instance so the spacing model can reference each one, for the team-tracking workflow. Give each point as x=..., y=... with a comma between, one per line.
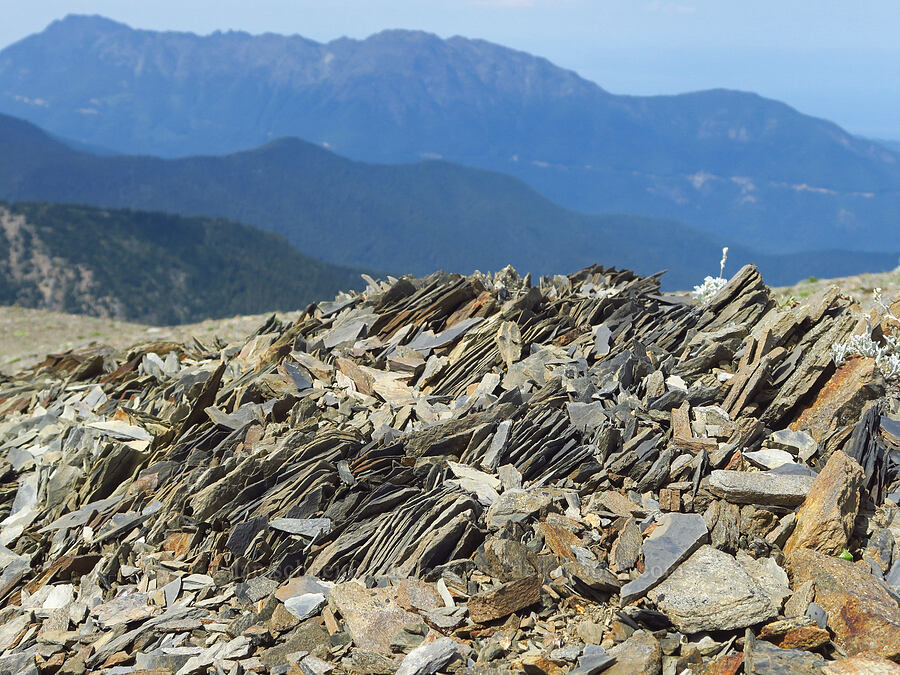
x=516, y=506
x=779, y=535
x=510, y=477
x=770, y=577
x=593, y=575
x=509, y=342
x=408, y=638
x=429, y=658
x=566, y=653
x=587, y=416
x=171, y=591
x=627, y=548
x=20, y=663
x=172, y=658
x=306, y=605
x=818, y=614
x=893, y=576
x=347, y=332
x=675, y=538
x=795, y=442
x=303, y=527
x=594, y=660
x=880, y=549
x=762, y=658
x=244, y=533
x=482, y=485
x=641, y=653
x=746, y=487
x=427, y=341
x=498, y=444
x=769, y=458
x=255, y=589
x=312, y=665
x=712, y=591
x=602, y=335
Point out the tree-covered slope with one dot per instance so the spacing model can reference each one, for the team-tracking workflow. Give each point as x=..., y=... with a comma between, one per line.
x=152, y=267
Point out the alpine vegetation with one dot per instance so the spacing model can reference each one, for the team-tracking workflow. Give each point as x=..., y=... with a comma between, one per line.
x=886, y=355
x=711, y=285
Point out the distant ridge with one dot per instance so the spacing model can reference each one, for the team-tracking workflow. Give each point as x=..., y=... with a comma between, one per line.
x=742, y=167
x=402, y=219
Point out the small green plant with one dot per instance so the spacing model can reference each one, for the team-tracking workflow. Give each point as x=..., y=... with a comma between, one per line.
x=812, y=280
x=786, y=301
x=846, y=555
x=711, y=285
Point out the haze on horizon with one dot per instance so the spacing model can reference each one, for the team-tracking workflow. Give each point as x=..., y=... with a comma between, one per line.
x=830, y=59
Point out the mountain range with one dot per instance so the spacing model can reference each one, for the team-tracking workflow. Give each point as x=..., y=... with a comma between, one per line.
x=741, y=167
x=152, y=267
x=407, y=218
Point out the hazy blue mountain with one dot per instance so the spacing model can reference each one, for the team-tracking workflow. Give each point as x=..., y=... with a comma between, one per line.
x=740, y=166
x=153, y=267
x=412, y=218
x=892, y=145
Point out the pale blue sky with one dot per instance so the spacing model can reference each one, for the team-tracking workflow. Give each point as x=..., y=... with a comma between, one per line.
x=833, y=59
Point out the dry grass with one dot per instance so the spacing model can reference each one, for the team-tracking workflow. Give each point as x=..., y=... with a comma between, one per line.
x=26, y=335
x=859, y=287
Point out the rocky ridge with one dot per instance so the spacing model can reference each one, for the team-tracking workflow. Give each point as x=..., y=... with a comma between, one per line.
x=461, y=474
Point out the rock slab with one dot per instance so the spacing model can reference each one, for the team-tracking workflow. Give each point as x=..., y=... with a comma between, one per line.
x=712, y=591
x=505, y=600
x=674, y=539
x=825, y=520
x=861, y=612
x=428, y=658
x=371, y=615
x=770, y=489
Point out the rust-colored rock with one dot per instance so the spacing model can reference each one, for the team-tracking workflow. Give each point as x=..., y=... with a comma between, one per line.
x=505, y=600
x=797, y=633
x=729, y=664
x=415, y=595
x=825, y=519
x=540, y=665
x=807, y=637
x=863, y=616
x=842, y=398
x=559, y=540
x=862, y=664
x=669, y=500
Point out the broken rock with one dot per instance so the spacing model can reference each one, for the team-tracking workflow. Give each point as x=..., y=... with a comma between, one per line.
x=864, y=616
x=826, y=518
x=712, y=591
x=505, y=600
x=676, y=537
x=746, y=487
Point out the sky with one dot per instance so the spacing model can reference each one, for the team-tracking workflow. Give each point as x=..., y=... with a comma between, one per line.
x=834, y=59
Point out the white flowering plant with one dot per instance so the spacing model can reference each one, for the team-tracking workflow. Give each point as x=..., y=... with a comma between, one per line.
x=886, y=354
x=705, y=292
